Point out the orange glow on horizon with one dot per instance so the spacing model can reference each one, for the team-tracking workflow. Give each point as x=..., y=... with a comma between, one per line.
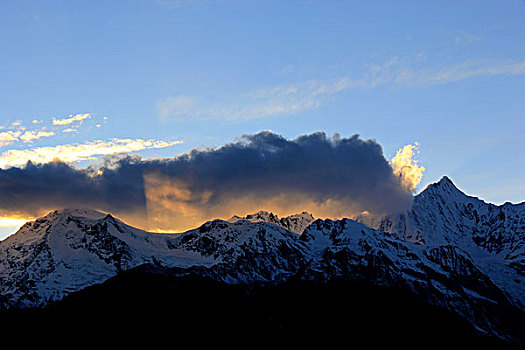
x=173, y=208
x=13, y=221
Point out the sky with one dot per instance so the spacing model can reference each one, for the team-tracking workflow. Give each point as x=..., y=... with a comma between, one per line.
x=80, y=80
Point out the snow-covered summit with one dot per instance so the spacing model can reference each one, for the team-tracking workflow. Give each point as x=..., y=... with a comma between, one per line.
x=70, y=249
x=86, y=213
x=295, y=223
x=446, y=191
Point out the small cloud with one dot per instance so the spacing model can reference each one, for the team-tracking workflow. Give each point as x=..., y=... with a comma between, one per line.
x=71, y=119
x=175, y=107
x=70, y=130
x=17, y=125
x=288, y=69
x=406, y=167
x=29, y=136
x=8, y=137
x=465, y=39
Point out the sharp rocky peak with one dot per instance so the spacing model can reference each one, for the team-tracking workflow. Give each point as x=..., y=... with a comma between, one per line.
x=444, y=191
x=262, y=215
x=444, y=186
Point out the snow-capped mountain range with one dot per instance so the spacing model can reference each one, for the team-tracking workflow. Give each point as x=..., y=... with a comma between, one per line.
x=457, y=251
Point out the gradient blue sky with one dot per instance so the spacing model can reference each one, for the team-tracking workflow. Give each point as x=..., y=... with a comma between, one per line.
x=448, y=74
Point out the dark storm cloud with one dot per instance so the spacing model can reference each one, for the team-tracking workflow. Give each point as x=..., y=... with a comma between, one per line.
x=47, y=186
x=343, y=175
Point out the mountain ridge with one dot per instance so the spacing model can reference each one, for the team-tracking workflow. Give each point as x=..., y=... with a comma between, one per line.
x=450, y=248
x=295, y=223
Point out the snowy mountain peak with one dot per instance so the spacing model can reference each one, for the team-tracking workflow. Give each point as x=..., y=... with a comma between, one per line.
x=295, y=223
x=445, y=180
x=444, y=188
x=446, y=184
x=84, y=213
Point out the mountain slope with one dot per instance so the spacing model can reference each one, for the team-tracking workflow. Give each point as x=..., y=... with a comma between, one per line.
x=202, y=309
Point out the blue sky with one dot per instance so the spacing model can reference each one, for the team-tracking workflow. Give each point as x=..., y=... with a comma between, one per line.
x=184, y=74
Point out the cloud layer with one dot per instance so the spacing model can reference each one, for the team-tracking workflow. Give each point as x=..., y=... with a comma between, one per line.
x=331, y=177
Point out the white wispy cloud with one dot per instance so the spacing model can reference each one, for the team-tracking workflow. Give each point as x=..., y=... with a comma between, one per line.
x=458, y=72
x=71, y=119
x=463, y=38
x=78, y=152
x=272, y=101
x=258, y=103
